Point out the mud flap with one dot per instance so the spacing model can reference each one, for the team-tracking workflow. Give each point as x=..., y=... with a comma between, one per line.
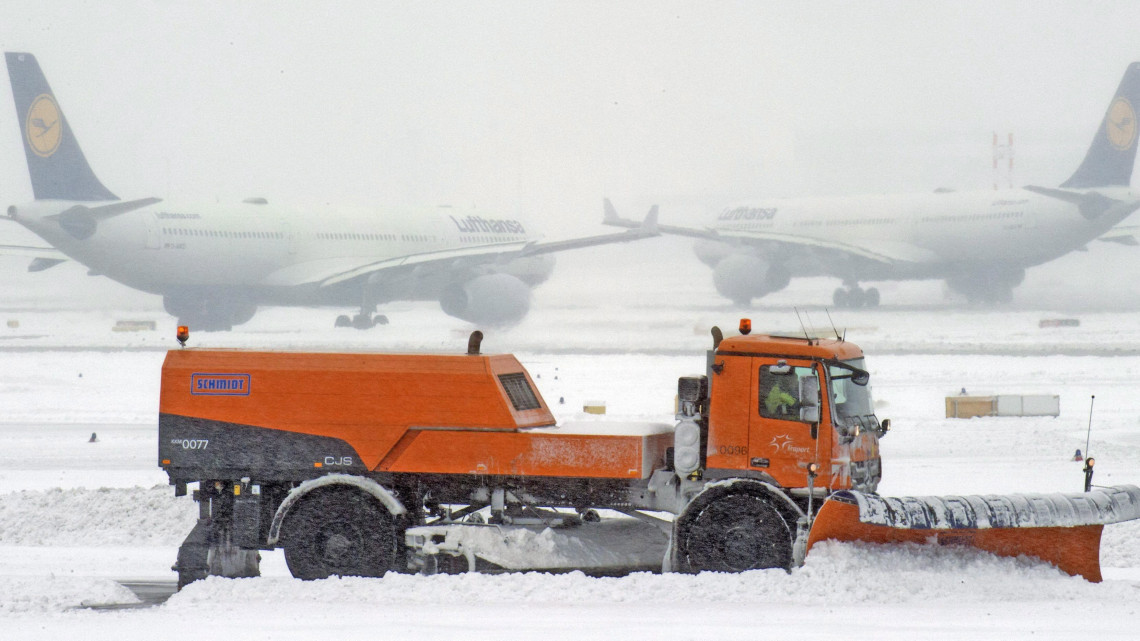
x=210, y=551
x=1062, y=529
x=193, y=555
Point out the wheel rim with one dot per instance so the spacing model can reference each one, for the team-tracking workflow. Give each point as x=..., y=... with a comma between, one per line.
x=340, y=549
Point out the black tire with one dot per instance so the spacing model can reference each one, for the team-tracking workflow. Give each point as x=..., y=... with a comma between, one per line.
x=343, y=321
x=872, y=297
x=732, y=531
x=339, y=532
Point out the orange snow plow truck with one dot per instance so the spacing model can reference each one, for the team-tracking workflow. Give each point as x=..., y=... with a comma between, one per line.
x=344, y=460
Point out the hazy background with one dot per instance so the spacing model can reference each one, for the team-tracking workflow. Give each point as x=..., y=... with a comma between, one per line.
x=540, y=109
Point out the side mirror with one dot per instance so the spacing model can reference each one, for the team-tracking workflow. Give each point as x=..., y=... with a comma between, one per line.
x=809, y=391
x=809, y=414
x=809, y=399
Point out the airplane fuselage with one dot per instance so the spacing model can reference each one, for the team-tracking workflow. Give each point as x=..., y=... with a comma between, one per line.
x=272, y=253
x=908, y=236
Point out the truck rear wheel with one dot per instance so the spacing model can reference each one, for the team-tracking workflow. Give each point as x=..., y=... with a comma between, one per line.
x=339, y=532
x=731, y=531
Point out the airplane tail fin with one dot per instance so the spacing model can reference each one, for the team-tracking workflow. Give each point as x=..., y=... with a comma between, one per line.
x=58, y=169
x=1112, y=154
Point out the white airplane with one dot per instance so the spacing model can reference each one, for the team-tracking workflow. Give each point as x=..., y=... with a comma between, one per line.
x=979, y=242
x=214, y=264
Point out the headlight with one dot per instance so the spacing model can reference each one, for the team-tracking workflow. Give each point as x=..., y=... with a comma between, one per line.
x=687, y=447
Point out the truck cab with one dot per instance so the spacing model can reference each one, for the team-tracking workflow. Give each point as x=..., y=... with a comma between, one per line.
x=779, y=404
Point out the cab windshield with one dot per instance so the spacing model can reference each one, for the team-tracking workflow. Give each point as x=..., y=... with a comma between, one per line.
x=852, y=401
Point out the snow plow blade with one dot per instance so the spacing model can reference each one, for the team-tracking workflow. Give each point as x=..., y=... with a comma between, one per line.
x=1062, y=529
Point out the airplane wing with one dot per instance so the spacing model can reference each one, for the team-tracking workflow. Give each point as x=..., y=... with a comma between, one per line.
x=875, y=250
x=1092, y=204
x=335, y=271
x=16, y=241
x=1122, y=234
x=31, y=251
x=614, y=220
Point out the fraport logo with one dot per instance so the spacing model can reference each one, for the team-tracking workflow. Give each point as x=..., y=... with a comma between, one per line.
x=219, y=384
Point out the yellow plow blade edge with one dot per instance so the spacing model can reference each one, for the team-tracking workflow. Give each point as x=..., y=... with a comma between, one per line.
x=1062, y=529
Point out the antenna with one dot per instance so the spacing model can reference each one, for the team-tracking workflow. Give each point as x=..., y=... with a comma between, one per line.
x=1092, y=399
x=1089, y=461
x=797, y=311
x=809, y=321
x=837, y=337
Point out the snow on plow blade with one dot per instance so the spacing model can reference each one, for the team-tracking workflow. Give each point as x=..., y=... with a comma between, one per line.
x=1063, y=529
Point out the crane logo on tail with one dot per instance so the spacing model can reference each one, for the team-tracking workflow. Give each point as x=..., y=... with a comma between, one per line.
x=1121, y=124
x=43, y=127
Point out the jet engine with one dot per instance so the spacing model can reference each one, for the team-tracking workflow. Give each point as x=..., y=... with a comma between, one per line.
x=206, y=312
x=492, y=299
x=711, y=252
x=742, y=277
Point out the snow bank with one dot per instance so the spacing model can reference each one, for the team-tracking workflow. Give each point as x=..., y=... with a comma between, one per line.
x=103, y=517
x=22, y=595
x=1120, y=545
x=834, y=572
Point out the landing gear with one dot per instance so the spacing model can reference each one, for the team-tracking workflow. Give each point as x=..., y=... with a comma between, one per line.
x=731, y=529
x=854, y=297
x=367, y=318
x=361, y=321
x=340, y=532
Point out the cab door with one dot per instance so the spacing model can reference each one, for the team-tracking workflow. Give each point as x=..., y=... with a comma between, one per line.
x=784, y=424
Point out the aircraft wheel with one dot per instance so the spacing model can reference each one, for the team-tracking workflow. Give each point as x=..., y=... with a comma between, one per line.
x=339, y=532
x=343, y=321
x=362, y=321
x=732, y=531
x=380, y=319
x=840, y=298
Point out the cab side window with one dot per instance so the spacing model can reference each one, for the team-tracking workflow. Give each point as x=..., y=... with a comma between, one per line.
x=780, y=391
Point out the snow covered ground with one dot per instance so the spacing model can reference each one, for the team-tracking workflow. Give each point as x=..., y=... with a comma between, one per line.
x=75, y=516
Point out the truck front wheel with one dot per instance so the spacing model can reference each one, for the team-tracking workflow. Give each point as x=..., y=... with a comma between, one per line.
x=731, y=531
x=339, y=531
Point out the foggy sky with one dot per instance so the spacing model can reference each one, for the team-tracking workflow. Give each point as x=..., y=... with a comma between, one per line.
x=540, y=109
x=543, y=108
